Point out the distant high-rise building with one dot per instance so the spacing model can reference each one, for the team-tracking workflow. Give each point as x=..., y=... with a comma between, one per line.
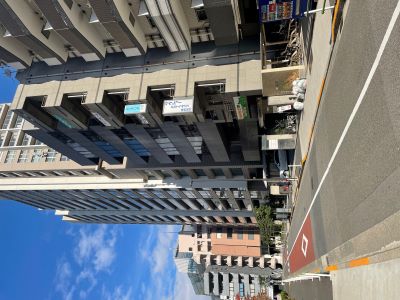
x=223, y=261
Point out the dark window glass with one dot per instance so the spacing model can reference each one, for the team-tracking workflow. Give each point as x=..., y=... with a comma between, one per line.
x=201, y=14
x=229, y=233
x=151, y=22
x=251, y=236
x=240, y=234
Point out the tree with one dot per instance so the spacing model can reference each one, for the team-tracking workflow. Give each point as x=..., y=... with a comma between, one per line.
x=265, y=223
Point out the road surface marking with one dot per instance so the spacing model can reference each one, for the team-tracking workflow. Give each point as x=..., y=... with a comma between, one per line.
x=359, y=262
x=335, y=13
x=360, y=99
x=304, y=245
x=331, y=268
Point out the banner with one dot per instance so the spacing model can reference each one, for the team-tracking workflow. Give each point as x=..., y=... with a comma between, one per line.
x=276, y=10
x=241, y=107
x=178, y=106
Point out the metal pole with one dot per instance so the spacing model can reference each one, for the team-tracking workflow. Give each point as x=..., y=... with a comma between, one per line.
x=268, y=180
x=318, y=10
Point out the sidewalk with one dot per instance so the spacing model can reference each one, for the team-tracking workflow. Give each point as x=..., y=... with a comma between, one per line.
x=316, y=40
x=377, y=281
x=310, y=289
x=316, y=34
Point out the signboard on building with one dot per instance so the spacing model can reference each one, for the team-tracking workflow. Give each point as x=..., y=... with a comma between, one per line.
x=278, y=142
x=134, y=109
x=284, y=108
x=276, y=10
x=139, y=111
x=178, y=106
x=241, y=107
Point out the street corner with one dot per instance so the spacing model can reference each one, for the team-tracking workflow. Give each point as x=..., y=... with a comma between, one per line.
x=302, y=253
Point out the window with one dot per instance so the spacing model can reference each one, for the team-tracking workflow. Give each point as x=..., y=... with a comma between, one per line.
x=31, y=174
x=13, y=139
x=219, y=233
x=151, y=22
x=73, y=173
x=189, y=194
x=36, y=156
x=201, y=14
x=199, y=232
x=85, y=172
x=26, y=140
x=2, y=135
x=23, y=156
x=144, y=194
x=37, y=142
x=174, y=194
x=229, y=233
x=209, y=246
x=10, y=156
x=7, y=119
x=57, y=173
x=159, y=194
x=205, y=194
x=19, y=122
x=51, y=155
x=251, y=235
x=240, y=234
x=190, y=249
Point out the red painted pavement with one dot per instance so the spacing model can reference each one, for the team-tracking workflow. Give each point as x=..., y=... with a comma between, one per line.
x=303, y=245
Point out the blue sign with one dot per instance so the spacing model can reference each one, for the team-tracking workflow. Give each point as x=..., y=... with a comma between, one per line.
x=134, y=109
x=276, y=10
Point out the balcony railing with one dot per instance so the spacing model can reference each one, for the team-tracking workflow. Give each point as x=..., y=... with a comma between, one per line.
x=281, y=46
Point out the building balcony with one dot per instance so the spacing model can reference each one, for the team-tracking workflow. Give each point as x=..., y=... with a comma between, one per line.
x=281, y=57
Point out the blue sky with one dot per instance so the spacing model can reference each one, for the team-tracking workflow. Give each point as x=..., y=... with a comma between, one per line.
x=45, y=258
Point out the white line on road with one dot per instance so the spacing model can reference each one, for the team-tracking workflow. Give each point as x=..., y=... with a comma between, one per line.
x=382, y=47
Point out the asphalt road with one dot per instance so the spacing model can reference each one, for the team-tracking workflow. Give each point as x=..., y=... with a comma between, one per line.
x=360, y=187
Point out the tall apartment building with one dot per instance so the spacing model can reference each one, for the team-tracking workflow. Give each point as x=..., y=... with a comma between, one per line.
x=155, y=103
x=223, y=261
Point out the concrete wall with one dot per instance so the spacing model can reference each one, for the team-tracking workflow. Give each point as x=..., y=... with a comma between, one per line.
x=278, y=81
x=234, y=245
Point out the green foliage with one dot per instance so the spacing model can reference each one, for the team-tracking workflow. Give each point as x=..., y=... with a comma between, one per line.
x=265, y=223
x=285, y=296
x=263, y=281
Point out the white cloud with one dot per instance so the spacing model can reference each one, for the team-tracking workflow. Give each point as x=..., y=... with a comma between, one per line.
x=96, y=247
x=157, y=250
x=63, y=280
x=166, y=283
x=86, y=277
x=94, y=251
x=117, y=294
x=165, y=244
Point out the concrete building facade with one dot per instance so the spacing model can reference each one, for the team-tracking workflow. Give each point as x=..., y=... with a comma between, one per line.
x=154, y=103
x=222, y=262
